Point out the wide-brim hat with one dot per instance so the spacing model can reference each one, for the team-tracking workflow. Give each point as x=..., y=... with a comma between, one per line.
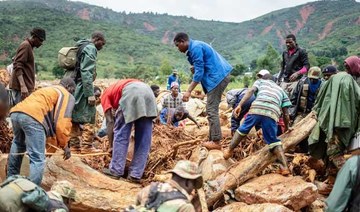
x=188, y=170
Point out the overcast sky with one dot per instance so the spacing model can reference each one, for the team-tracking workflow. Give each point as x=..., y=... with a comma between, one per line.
x=222, y=10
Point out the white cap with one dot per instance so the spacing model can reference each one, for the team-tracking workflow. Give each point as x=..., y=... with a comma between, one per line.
x=263, y=72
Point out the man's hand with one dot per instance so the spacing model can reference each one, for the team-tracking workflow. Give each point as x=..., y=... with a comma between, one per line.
x=24, y=92
x=237, y=111
x=186, y=96
x=92, y=100
x=67, y=153
x=192, y=69
x=294, y=76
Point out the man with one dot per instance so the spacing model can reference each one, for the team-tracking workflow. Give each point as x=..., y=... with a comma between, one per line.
x=173, y=116
x=85, y=111
x=22, y=81
x=173, y=99
x=233, y=98
x=173, y=78
x=20, y=194
x=45, y=114
x=303, y=98
x=295, y=63
x=304, y=94
x=212, y=71
x=352, y=65
x=84, y=131
x=156, y=90
x=4, y=106
x=271, y=101
x=345, y=195
x=174, y=195
x=136, y=105
x=337, y=108
x=328, y=71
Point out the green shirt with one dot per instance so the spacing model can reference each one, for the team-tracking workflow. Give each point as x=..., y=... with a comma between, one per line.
x=345, y=182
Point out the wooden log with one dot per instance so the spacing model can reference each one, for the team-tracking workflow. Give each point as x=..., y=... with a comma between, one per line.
x=95, y=192
x=249, y=167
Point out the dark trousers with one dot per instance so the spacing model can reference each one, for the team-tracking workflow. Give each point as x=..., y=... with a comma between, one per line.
x=212, y=109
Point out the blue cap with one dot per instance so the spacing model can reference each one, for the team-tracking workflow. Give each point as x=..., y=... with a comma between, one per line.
x=329, y=70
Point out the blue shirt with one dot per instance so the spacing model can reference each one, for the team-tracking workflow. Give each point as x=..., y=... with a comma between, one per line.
x=210, y=67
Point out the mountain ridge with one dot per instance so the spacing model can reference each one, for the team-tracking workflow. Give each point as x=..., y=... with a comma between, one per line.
x=325, y=28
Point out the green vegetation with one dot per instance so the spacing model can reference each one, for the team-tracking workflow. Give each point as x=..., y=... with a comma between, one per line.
x=140, y=45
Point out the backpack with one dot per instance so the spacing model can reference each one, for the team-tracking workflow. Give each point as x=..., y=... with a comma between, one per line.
x=69, y=59
x=156, y=199
x=32, y=196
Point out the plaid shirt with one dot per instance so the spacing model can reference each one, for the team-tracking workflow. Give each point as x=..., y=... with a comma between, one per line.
x=171, y=102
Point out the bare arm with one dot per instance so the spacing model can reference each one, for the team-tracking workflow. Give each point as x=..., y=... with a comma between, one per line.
x=24, y=90
x=110, y=126
x=193, y=120
x=191, y=87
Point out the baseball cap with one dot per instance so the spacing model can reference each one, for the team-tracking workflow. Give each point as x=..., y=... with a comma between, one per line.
x=329, y=70
x=188, y=170
x=263, y=72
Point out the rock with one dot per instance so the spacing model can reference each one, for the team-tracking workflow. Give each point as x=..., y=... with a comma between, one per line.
x=94, y=191
x=24, y=170
x=243, y=207
x=214, y=165
x=195, y=107
x=292, y=192
x=318, y=205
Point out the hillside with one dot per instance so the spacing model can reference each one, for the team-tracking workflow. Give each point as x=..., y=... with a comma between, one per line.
x=327, y=29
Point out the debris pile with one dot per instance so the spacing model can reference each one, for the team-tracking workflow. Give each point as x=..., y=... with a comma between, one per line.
x=6, y=137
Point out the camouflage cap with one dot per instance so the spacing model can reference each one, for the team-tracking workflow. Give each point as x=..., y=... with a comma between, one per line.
x=314, y=72
x=188, y=170
x=65, y=189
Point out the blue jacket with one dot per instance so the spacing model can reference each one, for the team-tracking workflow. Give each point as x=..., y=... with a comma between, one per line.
x=210, y=67
x=172, y=78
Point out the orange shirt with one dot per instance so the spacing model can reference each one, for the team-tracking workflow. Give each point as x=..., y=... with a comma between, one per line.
x=52, y=107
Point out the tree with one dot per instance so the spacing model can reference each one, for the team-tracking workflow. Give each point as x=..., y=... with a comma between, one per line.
x=165, y=67
x=270, y=60
x=238, y=69
x=57, y=71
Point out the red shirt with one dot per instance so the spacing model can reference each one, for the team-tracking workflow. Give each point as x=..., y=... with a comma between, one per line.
x=112, y=95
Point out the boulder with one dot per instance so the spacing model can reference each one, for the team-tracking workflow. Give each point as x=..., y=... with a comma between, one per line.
x=243, y=207
x=214, y=165
x=292, y=192
x=94, y=191
x=24, y=170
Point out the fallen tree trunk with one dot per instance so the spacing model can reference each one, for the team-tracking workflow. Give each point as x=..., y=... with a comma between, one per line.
x=249, y=167
x=94, y=191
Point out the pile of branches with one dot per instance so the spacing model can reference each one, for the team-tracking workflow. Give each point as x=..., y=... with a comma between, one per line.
x=169, y=145
x=6, y=136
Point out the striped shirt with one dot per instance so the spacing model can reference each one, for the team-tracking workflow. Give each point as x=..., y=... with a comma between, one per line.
x=270, y=99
